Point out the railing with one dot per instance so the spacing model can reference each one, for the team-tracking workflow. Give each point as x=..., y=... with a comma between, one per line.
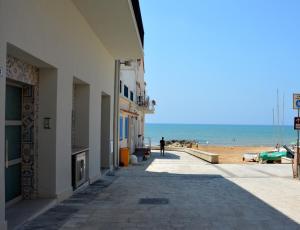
x=147, y=142
x=144, y=142
x=146, y=103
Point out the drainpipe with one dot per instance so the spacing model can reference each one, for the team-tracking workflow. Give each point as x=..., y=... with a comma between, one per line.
x=116, y=115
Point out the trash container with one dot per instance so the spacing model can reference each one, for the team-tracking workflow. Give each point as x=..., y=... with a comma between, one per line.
x=124, y=157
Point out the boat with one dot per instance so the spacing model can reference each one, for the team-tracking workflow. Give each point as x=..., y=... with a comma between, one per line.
x=290, y=152
x=250, y=157
x=271, y=156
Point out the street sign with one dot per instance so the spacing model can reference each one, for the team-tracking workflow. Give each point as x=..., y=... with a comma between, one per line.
x=296, y=101
x=297, y=123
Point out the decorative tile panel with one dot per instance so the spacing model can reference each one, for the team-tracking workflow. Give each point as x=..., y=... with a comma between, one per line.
x=20, y=71
x=29, y=142
x=28, y=76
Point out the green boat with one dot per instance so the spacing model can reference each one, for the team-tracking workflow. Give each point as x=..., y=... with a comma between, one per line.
x=271, y=156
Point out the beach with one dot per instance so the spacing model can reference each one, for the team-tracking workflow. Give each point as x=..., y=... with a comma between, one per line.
x=222, y=135
x=230, y=142
x=231, y=154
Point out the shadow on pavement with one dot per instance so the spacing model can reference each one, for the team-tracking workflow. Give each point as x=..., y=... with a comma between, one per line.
x=167, y=156
x=187, y=201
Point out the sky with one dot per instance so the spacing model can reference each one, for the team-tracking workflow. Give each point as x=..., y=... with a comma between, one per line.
x=221, y=61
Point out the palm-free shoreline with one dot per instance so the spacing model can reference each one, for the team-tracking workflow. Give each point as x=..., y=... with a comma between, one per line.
x=226, y=154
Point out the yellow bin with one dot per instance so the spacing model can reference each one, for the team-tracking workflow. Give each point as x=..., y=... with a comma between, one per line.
x=124, y=157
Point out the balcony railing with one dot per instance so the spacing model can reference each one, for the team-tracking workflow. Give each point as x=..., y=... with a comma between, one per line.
x=146, y=103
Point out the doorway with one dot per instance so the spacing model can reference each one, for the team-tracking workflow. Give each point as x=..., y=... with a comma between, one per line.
x=29, y=147
x=13, y=136
x=106, y=160
x=80, y=133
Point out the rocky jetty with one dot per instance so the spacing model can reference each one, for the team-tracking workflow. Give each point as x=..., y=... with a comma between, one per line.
x=181, y=143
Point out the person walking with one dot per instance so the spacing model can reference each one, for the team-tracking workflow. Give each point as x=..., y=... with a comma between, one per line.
x=162, y=146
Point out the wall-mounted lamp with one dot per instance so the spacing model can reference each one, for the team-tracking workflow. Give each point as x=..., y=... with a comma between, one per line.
x=47, y=123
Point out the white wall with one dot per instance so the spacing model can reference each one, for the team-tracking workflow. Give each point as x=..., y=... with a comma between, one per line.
x=47, y=137
x=140, y=76
x=128, y=76
x=81, y=98
x=61, y=38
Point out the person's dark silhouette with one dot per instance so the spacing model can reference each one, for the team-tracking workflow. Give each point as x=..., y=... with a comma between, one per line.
x=162, y=146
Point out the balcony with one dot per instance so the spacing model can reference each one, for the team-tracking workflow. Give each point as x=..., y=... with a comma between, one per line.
x=147, y=104
x=117, y=23
x=138, y=19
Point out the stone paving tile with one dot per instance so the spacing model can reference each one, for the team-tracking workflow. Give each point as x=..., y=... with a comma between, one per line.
x=201, y=196
x=67, y=210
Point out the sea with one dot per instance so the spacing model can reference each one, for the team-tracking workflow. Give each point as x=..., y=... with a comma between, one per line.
x=226, y=135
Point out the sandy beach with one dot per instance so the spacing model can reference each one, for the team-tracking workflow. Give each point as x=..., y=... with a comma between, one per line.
x=231, y=154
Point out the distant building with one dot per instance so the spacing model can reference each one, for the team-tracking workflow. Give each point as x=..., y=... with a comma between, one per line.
x=134, y=104
x=59, y=94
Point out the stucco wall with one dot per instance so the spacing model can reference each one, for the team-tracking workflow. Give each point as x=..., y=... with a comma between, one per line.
x=128, y=78
x=56, y=33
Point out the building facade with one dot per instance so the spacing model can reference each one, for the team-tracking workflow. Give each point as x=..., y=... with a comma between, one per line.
x=134, y=104
x=59, y=93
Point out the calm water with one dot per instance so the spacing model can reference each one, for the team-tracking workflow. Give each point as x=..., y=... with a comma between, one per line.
x=243, y=135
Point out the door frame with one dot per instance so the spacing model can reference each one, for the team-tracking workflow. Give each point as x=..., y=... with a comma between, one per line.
x=18, y=160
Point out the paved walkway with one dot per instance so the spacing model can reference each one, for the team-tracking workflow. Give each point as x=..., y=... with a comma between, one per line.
x=179, y=191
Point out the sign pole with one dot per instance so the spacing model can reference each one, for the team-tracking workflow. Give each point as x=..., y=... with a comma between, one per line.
x=297, y=159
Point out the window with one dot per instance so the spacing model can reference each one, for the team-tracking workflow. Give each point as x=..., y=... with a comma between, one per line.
x=131, y=95
x=121, y=128
x=120, y=86
x=126, y=127
x=125, y=91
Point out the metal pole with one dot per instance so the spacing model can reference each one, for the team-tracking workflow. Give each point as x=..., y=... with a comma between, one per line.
x=297, y=159
x=278, y=118
x=274, y=129
x=116, y=114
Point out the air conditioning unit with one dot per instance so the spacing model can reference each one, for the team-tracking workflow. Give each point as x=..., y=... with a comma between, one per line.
x=79, y=175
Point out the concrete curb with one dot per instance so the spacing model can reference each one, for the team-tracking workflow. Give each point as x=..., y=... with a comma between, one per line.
x=209, y=157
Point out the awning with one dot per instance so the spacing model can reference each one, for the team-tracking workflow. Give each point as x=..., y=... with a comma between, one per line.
x=129, y=112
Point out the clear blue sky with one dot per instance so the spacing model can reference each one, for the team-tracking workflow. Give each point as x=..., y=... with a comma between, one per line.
x=221, y=61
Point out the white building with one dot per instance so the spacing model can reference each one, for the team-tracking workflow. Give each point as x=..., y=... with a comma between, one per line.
x=134, y=104
x=59, y=93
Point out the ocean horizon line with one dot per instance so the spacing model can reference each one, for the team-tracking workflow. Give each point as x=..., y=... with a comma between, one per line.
x=275, y=125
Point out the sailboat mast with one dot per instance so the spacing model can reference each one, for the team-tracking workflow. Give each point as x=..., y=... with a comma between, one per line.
x=273, y=117
x=274, y=135
x=282, y=123
x=278, y=117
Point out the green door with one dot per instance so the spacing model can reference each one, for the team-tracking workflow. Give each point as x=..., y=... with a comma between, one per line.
x=13, y=133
